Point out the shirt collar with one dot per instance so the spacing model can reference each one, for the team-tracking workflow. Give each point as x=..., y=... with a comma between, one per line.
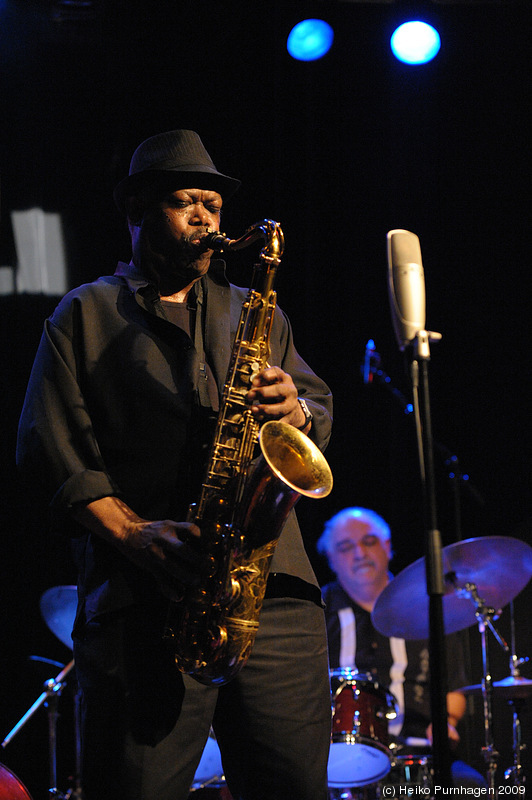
x=136, y=280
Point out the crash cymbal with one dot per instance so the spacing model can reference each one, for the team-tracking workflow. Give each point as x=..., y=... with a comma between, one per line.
x=58, y=609
x=499, y=566
x=508, y=689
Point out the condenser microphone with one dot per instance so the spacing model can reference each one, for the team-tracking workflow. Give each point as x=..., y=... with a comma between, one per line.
x=406, y=285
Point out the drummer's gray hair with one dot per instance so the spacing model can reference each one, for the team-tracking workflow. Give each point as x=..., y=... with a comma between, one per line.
x=379, y=525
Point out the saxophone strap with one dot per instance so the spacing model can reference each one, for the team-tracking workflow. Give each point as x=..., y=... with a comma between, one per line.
x=198, y=338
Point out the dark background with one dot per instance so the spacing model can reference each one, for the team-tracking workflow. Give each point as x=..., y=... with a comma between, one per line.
x=339, y=151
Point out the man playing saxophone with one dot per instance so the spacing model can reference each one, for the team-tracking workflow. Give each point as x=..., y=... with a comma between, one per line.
x=115, y=431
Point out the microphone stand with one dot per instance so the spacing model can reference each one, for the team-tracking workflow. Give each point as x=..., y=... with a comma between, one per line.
x=372, y=371
x=433, y=559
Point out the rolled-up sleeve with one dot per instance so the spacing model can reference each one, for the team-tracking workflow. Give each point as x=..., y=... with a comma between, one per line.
x=57, y=450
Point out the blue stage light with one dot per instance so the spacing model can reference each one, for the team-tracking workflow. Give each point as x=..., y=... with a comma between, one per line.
x=310, y=39
x=415, y=42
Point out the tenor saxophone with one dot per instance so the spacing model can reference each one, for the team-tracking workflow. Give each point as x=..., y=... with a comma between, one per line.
x=244, y=501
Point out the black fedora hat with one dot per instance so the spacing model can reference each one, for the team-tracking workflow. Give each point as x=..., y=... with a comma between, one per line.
x=165, y=160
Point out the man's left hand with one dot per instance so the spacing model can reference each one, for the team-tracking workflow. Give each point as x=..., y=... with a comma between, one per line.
x=273, y=395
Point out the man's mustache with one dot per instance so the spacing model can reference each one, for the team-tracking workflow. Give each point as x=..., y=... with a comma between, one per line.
x=365, y=563
x=195, y=238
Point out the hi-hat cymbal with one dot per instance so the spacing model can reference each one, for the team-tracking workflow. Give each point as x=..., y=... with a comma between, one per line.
x=58, y=609
x=499, y=567
x=508, y=689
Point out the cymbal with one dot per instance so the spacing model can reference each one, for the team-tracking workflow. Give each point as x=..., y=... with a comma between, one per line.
x=499, y=566
x=508, y=689
x=58, y=609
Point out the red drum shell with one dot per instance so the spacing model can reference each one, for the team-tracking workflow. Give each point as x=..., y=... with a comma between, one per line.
x=10, y=786
x=360, y=708
x=359, y=753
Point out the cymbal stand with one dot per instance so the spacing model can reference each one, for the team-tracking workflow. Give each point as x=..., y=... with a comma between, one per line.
x=49, y=698
x=485, y=614
x=515, y=773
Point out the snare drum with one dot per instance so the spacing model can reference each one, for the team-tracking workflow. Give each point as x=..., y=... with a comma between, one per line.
x=10, y=786
x=359, y=753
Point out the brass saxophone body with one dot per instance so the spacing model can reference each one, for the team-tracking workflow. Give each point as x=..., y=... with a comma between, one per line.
x=243, y=502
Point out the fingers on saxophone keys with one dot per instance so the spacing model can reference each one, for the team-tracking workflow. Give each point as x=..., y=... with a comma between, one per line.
x=187, y=531
x=180, y=555
x=268, y=377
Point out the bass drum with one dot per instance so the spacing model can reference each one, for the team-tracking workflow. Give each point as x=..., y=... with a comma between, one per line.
x=10, y=786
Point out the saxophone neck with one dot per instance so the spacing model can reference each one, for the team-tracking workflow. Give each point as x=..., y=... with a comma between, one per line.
x=268, y=230
x=273, y=236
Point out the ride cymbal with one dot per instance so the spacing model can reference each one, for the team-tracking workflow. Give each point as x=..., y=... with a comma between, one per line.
x=498, y=566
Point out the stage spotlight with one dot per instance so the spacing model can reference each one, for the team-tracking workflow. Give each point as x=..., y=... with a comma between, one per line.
x=310, y=39
x=415, y=42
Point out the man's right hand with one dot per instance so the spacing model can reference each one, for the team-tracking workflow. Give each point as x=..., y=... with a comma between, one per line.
x=163, y=547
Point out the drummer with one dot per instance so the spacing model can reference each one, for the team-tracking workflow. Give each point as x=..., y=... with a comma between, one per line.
x=357, y=544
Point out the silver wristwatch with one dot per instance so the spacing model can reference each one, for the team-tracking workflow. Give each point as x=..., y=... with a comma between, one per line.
x=306, y=412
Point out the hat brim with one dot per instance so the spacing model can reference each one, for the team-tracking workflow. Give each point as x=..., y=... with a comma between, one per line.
x=171, y=180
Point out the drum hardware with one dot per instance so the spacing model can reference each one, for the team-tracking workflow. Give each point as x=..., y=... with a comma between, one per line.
x=515, y=773
x=359, y=753
x=485, y=614
x=481, y=577
x=514, y=689
x=58, y=609
x=49, y=698
x=412, y=770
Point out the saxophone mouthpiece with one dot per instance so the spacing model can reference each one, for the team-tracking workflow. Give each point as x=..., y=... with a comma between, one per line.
x=214, y=240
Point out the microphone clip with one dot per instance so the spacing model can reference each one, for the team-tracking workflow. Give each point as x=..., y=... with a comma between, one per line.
x=421, y=342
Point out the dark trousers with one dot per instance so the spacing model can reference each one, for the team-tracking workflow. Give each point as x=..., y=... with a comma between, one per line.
x=144, y=725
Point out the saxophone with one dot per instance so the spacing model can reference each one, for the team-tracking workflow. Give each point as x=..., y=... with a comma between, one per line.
x=243, y=502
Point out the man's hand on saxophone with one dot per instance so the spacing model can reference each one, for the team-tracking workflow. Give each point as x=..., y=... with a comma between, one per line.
x=274, y=396
x=161, y=547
